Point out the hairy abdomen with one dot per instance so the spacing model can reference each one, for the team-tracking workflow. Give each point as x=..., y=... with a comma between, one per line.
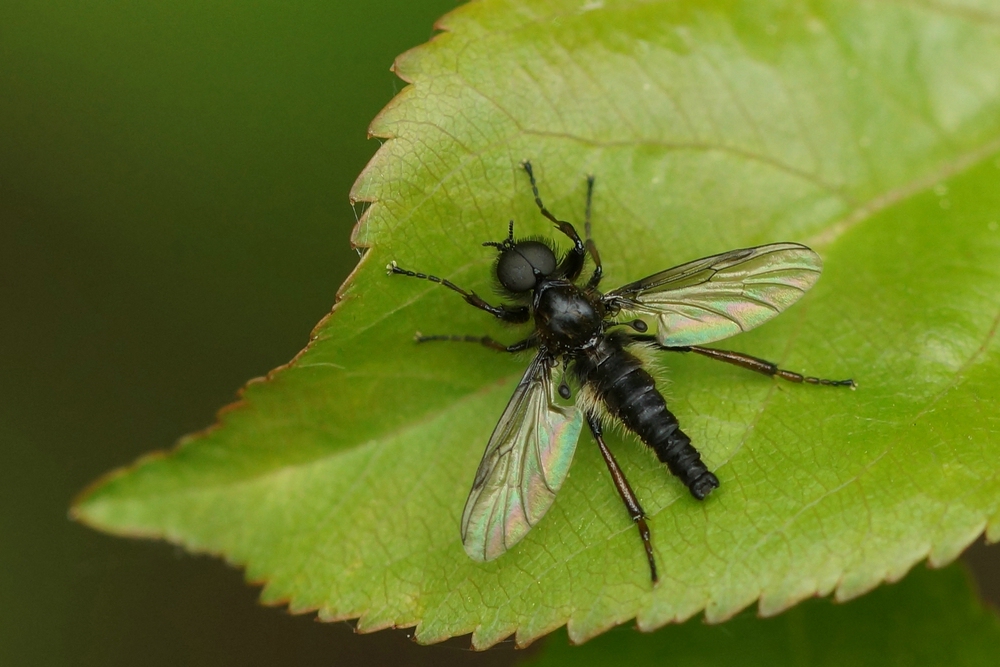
x=629, y=393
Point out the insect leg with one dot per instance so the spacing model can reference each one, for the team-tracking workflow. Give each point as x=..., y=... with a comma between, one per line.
x=750, y=363
x=515, y=314
x=573, y=263
x=625, y=491
x=595, y=279
x=519, y=346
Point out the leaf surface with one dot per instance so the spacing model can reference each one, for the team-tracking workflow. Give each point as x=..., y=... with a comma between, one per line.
x=867, y=130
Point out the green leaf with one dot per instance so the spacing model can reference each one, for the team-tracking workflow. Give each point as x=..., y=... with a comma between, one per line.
x=930, y=619
x=868, y=130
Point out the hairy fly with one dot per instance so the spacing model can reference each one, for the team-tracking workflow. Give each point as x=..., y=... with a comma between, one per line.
x=528, y=455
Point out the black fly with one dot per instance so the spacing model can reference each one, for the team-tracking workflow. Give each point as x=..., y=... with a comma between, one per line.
x=528, y=455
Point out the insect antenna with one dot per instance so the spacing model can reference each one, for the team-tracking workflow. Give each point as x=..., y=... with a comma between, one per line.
x=506, y=243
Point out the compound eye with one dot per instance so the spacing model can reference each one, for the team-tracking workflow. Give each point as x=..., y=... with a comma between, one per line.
x=538, y=255
x=520, y=267
x=514, y=272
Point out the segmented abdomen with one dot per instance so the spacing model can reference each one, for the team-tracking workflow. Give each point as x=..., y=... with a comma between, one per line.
x=629, y=393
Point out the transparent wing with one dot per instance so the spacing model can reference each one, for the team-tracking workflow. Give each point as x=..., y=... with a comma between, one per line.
x=525, y=463
x=719, y=296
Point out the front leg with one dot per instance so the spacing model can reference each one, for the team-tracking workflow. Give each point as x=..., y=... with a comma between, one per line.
x=572, y=265
x=513, y=314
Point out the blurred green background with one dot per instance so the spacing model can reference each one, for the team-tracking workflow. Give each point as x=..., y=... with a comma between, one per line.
x=174, y=219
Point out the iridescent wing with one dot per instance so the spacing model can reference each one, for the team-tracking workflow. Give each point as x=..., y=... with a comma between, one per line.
x=720, y=296
x=525, y=463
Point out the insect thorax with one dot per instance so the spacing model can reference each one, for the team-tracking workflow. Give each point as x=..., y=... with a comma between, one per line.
x=566, y=317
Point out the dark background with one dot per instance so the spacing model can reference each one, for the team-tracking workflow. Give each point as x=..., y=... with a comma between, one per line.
x=174, y=219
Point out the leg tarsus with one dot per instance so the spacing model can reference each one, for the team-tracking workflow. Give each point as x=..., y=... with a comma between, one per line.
x=590, y=197
x=595, y=278
x=635, y=510
x=485, y=341
x=538, y=199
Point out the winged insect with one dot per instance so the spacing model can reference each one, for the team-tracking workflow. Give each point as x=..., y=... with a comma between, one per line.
x=529, y=453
